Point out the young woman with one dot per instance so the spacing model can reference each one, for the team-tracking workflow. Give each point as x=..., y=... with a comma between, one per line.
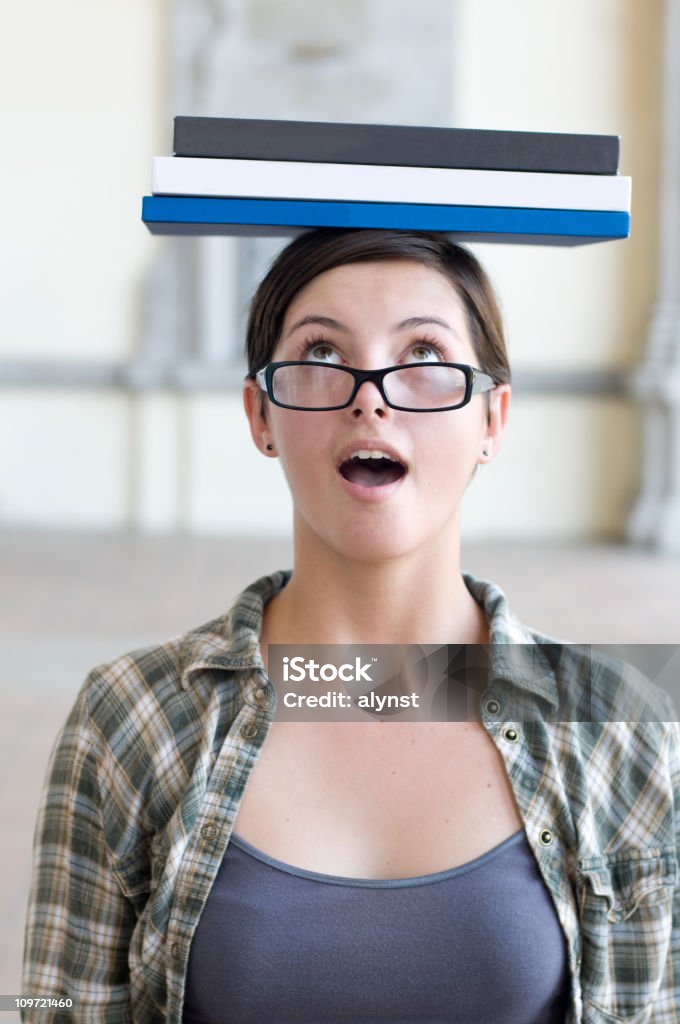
x=197, y=861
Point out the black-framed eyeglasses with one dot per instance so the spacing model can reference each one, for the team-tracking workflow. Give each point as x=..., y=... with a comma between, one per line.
x=413, y=387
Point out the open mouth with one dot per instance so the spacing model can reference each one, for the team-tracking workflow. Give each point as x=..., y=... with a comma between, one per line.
x=371, y=469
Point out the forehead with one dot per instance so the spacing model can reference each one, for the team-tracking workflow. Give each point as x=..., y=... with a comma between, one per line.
x=395, y=289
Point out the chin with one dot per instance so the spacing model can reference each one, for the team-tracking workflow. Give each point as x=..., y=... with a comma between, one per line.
x=383, y=536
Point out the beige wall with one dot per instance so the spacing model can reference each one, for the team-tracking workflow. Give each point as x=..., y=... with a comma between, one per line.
x=80, y=93
x=84, y=100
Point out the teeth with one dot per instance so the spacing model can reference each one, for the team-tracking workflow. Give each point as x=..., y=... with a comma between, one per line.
x=364, y=453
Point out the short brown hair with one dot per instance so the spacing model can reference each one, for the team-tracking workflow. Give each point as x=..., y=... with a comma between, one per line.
x=314, y=252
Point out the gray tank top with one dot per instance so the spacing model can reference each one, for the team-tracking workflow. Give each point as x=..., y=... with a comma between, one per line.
x=478, y=944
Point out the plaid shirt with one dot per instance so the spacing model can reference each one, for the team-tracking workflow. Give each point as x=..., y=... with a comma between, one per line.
x=145, y=779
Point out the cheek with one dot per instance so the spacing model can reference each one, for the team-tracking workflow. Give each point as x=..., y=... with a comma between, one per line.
x=301, y=446
x=452, y=447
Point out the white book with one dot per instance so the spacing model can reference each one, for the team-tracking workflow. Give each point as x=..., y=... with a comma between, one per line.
x=287, y=179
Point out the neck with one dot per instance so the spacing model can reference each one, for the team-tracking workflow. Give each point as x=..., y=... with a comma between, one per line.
x=417, y=598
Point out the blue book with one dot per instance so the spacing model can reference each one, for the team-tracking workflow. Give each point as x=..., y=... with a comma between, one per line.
x=187, y=215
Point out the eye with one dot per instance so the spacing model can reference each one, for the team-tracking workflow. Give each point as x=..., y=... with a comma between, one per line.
x=319, y=350
x=427, y=350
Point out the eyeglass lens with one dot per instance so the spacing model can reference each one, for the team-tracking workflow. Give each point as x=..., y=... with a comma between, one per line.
x=413, y=387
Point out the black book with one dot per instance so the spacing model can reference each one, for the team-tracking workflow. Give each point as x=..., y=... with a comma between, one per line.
x=399, y=145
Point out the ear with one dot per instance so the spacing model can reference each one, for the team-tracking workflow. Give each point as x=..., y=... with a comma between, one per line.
x=496, y=421
x=255, y=404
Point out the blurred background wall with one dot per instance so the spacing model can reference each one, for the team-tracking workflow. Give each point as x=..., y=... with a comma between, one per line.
x=120, y=354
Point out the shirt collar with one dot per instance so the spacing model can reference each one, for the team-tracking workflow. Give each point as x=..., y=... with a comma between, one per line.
x=517, y=655
x=232, y=641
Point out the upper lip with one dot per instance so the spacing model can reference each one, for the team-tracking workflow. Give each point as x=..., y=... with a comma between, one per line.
x=370, y=444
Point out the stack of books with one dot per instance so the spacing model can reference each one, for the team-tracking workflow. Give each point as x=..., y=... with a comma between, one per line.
x=234, y=176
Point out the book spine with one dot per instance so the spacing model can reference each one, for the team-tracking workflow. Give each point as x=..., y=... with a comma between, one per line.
x=398, y=145
x=369, y=183
x=275, y=217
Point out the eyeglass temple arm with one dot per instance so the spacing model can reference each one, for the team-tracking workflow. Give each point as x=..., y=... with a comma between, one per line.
x=482, y=382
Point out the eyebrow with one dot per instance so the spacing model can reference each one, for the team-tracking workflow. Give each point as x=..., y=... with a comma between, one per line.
x=328, y=321
x=324, y=321
x=418, y=321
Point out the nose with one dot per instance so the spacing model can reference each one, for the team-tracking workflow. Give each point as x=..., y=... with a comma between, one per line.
x=369, y=401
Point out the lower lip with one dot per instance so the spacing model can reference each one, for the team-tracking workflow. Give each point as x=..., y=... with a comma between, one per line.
x=371, y=495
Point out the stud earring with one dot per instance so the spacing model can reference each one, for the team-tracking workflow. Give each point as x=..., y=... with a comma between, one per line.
x=485, y=451
x=270, y=447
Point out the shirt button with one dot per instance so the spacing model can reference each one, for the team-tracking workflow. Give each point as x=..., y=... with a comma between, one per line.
x=209, y=831
x=511, y=735
x=248, y=730
x=492, y=707
x=545, y=837
x=176, y=951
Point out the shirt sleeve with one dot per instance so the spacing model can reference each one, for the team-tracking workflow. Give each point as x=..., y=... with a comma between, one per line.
x=667, y=1004
x=79, y=921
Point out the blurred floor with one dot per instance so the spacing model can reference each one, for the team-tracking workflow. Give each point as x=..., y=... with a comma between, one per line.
x=68, y=602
